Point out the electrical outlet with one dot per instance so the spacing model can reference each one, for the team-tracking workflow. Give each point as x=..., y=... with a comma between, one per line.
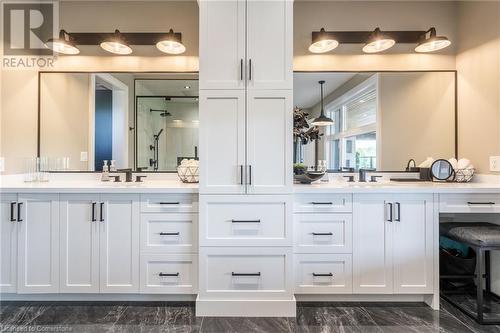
x=84, y=156
x=495, y=163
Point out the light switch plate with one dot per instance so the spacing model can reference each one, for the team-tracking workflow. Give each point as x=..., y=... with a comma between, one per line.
x=2, y=164
x=84, y=156
x=495, y=163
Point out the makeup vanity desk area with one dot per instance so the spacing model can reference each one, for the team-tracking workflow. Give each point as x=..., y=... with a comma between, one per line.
x=339, y=241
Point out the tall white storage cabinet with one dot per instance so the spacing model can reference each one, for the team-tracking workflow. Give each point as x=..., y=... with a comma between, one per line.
x=246, y=174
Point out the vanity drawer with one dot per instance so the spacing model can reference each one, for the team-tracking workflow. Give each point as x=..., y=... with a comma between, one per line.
x=469, y=203
x=169, y=203
x=245, y=221
x=323, y=274
x=323, y=233
x=245, y=273
x=169, y=274
x=167, y=233
x=323, y=203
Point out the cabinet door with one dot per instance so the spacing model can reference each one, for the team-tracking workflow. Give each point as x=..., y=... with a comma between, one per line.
x=269, y=44
x=79, y=242
x=222, y=141
x=372, y=244
x=119, y=243
x=269, y=141
x=413, y=244
x=222, y=44
x=38, y=244
x=8, y=243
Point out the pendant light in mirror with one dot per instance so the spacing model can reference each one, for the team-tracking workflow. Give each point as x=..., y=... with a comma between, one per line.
x=433, y=43
x=322, y=42
x=378, y=42
x=171, y=43
x=116, y=44
x=322, y=120
x=63, y=44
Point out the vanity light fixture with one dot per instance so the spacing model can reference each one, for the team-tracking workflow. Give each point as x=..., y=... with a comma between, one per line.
x=116, y=44
x=322, y=120
x=171, y=43
x=378, y=42
x=322, y=42
x=433, y=43
x=63, y=44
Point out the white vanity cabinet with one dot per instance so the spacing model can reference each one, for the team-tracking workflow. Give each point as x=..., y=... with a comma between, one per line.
x=246, y=44
x=38, y=243
x=8, y=243
x=79, y=242
x=99, y=237
x=169, y=244
x=393, y=244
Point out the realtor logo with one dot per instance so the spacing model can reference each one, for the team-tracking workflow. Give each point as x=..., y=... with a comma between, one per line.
x=26, y=27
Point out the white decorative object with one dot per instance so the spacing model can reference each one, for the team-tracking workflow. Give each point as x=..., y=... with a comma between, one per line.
x=188, y=171
x=464, y=175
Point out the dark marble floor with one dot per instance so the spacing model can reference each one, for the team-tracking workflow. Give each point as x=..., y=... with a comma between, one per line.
x=179, y=317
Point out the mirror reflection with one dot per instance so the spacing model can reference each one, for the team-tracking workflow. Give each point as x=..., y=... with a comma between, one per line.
x=375, y=120
x=141, y=121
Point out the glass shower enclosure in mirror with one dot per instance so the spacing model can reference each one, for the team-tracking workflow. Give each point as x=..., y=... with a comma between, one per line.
x=166, y=123
x=378, y=120
x=138, y=120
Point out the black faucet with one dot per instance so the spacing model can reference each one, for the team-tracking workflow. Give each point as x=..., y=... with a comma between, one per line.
x=128, y=174
x=362, y=174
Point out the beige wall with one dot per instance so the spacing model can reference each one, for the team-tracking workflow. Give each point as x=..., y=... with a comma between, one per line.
x=478, y=65
x=416, y=117
x=64, y=117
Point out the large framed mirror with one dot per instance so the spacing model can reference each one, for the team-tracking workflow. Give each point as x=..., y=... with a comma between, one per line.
x=379, y=120
x=143, y=121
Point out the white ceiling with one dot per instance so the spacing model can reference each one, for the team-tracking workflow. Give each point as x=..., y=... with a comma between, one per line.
x=166, y=87
x=306, y=89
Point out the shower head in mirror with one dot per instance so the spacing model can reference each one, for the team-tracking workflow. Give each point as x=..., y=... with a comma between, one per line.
x=163, y=113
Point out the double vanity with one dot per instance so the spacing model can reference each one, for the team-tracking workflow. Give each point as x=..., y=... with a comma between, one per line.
x=242, y=256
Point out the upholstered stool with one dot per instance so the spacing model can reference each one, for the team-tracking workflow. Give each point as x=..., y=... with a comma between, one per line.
x=483, y=238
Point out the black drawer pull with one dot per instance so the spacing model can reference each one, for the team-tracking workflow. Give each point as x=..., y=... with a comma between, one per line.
x=321, y=203
x=245, y=274
x=101, y=212
x=169, y=233
x=322, y=274
x=168, y=274
x=322, y=234
x=480, y=203
x=12, y=205
x=245, y=221
x=169, y=203
x=94, y=219
x=19, y=205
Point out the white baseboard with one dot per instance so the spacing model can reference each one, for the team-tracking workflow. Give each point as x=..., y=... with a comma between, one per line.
x=99, y=297
x=245, y=308
x=359, y=298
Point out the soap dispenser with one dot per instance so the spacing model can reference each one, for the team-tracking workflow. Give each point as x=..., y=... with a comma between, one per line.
x=105, y=172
